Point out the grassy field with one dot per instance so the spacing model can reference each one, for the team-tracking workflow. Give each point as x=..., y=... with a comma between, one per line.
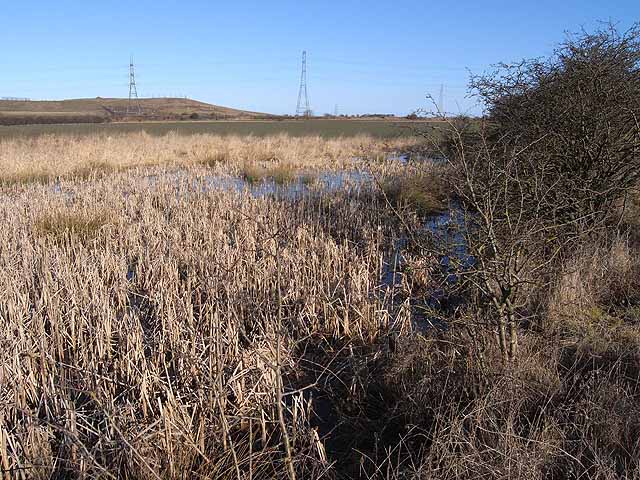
x=325, y=128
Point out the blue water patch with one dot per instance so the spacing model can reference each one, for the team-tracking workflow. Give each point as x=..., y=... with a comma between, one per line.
x=301, y=185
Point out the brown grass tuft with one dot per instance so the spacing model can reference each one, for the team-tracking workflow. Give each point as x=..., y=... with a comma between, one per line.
x=280, y=174
x=216, y=158
x=39, y=159
x=422, y=192
x=71, y=225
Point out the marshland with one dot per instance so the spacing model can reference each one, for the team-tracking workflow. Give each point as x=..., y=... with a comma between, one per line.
x=295, y=127
x=459, y=302
x=150, y=287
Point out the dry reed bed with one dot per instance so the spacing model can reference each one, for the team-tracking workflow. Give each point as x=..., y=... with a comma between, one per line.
x=43, y=158
x=151, y=331
x=154, y=325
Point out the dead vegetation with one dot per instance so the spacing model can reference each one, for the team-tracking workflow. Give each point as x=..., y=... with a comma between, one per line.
x=422, y=191
x=50, y=157
x=153, y=328
x=155, y=349
x=280, y=174
x=71, y=225
x=154, y=325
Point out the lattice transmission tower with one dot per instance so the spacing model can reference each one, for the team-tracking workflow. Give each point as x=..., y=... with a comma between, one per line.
x=302, y=109
x=133, y=107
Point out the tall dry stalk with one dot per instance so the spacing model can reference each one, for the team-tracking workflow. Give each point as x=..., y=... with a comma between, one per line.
x=150, y=326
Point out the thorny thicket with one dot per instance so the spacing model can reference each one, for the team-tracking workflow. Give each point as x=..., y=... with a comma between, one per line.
x=550, y=167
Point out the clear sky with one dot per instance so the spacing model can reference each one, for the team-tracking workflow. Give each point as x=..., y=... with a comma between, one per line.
x=364, y=56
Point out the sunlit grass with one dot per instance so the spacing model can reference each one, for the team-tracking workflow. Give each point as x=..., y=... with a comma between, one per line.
x=216, y=158
x=253, y=173
x=421, y=192
x=49, y=157
x=72, y=225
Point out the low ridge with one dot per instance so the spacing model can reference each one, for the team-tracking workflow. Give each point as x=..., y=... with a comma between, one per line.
x=97, y=110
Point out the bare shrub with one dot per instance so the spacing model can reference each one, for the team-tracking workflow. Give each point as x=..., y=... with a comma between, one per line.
x=546, y=169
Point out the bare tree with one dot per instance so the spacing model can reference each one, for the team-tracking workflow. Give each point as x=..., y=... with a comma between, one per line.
x=549, y=165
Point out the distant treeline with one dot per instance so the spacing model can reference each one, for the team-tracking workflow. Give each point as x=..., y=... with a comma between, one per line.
x=173, y=117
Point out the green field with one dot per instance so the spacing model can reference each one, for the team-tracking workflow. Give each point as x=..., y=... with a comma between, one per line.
x=325, y=128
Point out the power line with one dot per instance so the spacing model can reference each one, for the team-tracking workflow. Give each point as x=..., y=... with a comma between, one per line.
x=302, y=108
x=133, y=107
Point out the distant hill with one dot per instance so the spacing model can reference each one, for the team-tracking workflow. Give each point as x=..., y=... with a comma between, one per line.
x=97, y=110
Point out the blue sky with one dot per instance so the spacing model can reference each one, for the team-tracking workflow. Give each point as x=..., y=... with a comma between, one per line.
x=364, y=56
